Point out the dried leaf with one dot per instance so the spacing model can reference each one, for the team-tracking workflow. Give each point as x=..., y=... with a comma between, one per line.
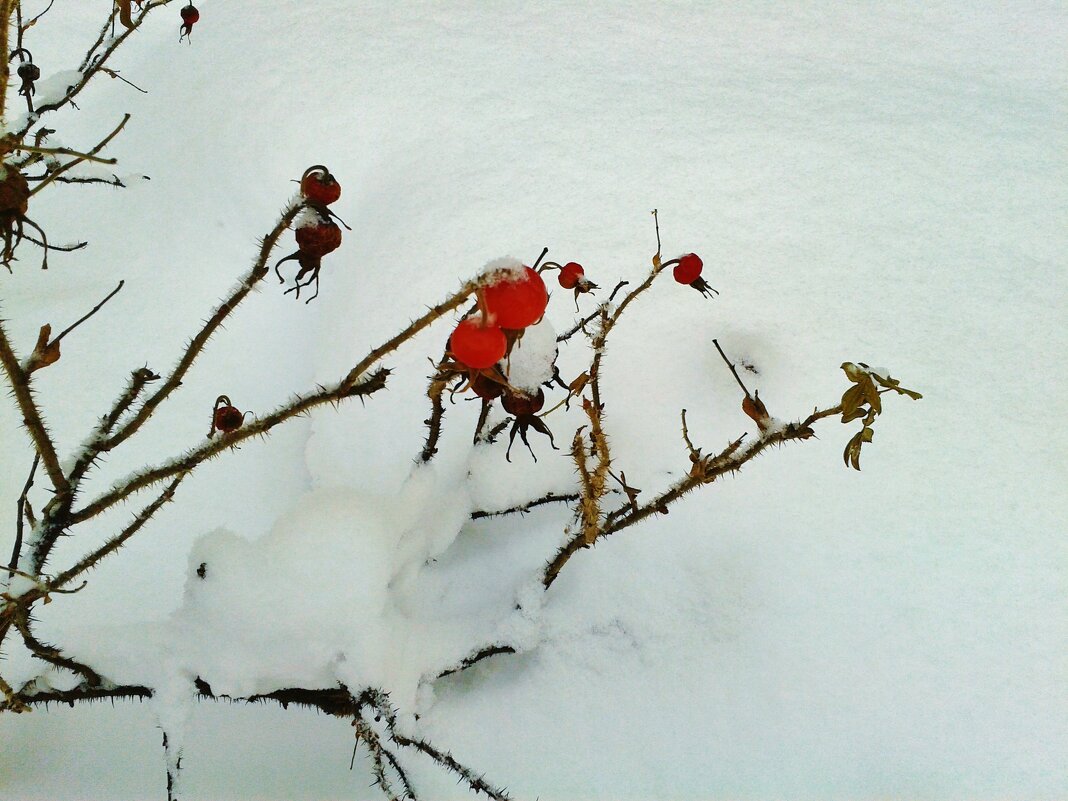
x=125, y=13
x=851, y=456
x=894, y=384
x=44, y=352
x=754, y=407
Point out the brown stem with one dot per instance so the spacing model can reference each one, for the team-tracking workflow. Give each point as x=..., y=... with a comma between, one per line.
x=90, y=156
x=196, y=345
x=734, y=372
x=20, y=518
x=705, y=472
x=31, y=415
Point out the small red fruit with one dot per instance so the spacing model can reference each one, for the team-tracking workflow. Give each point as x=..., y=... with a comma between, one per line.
x=190, y=16
x=688, y=269
x=319, y=186
x=515, y=301
x=225, y=417
x=570, y=274
x=476, y=345
x=319, y=239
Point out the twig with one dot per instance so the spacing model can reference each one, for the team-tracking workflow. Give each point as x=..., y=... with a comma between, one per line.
x=90, y=156
x=117, y=541
x=478, y=656
x=20, y=517
x=50, y=653
x=734, y=372
x=705, y=471
x=91, y=312
x=549, y=497
x=91, y=63
x=196, y=345
x=31, y=415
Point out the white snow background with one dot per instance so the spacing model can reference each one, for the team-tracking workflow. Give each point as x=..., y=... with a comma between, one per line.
x=870, y=182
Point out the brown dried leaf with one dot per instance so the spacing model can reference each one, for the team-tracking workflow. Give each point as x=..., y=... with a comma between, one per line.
x=754, y=407
x=851, y=456
x=44, y=352
x=125, y=13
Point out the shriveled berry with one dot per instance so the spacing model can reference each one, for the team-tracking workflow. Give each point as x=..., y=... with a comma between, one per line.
x=476, y=345
x=570, y=274
x=319, y=186
x=190, y=16
x=485, y=387
x=14, y=194
x=29, y=71
x=688, y=269
x=515, y=301
x=228, y=418
x=319, y=239
x=522, y=405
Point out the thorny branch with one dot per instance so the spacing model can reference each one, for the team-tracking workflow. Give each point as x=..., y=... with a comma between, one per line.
x=23, y=513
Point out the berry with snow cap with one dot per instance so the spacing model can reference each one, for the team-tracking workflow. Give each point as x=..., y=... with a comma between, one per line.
x=515, y=298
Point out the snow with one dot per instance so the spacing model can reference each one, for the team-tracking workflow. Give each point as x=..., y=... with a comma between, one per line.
x=875, y=184
x=531, y=361
x=505, y=268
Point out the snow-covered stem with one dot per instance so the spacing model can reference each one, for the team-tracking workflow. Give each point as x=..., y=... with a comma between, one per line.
x=446, y=760
x=196, y=344
x=49, y=653
x=704, y=471
x=93, y=61
x=366, y=734
x=215, y=446
x=523, y=508
x=78, y=157
x=116, y=542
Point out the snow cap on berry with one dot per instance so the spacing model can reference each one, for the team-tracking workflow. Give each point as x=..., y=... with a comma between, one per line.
x=506, y=268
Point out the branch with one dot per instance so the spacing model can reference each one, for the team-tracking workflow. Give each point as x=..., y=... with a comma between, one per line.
x=549, y=497
x=353, y=384
x=478, y=656
x=113, y=544
x=90, y=156
x=92, y=63
x=31, y=416
x=196, y=345
x=704, y=471
x=21, y=516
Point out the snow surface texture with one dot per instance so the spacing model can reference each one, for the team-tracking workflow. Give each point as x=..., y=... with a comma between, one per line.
x=878, y=184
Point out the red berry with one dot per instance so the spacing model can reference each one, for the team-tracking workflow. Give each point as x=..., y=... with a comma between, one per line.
x=476, y=345
x=570, y=274
x=228, y=418
x=515, y=301
x=522, y=405
x=319, y=186
x=190, y=15
x=688, y=269
x=319, y=239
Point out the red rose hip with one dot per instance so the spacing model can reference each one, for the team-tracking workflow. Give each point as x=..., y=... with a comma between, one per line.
x=476, y=345
x=515, y=300
x=688, y=269
x=319, y=186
